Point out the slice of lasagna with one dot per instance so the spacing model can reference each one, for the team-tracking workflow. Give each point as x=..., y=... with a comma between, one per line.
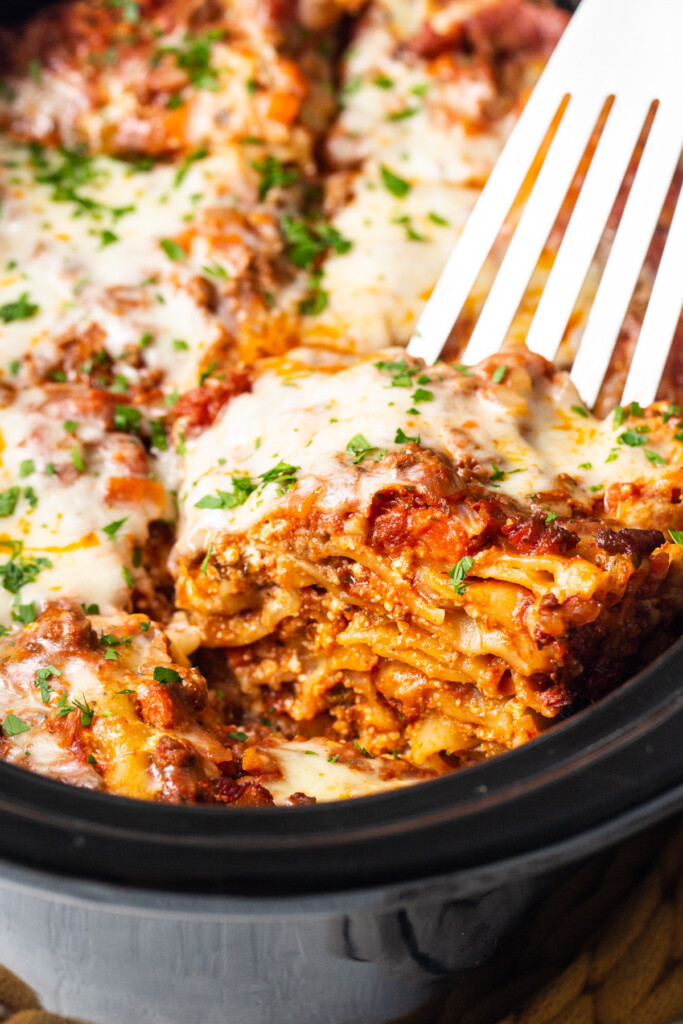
x=429, y=561
x=99, y=702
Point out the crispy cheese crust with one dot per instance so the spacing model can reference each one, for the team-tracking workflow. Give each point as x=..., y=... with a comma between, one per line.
x=249, y=552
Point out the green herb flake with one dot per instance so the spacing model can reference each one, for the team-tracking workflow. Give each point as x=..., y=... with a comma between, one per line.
x=402, y=438
x=173, y=250
x=21, y=309
x=77, y=458
x=25, y=614
x=360, y=448
x=204, y=567
x=676, y=536
x=631, y=438
x=654, y=458
x=113, y=528
x=580, y=411
x=158, y=435
x=8, y=501
x=26, y=467
x=165, y=675
x=274, y=174
x=127, y=418
x=458, y=573
x=13, y=726
x=238, y=735
x=393, y=183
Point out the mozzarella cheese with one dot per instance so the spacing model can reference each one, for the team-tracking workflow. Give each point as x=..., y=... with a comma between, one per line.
x=526, y=433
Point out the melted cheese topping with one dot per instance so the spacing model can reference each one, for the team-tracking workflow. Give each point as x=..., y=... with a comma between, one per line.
x=60, y=510
x=126, y=252
x=313, y=767
x=526, y=433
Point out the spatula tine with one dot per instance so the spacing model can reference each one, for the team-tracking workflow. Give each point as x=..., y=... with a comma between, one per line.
x=661, y=319
x=588, y=219
x=483, y=226
x=540, y=212
x=629, y=248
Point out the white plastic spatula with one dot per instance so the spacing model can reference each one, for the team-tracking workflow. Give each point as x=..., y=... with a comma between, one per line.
x=623, y=52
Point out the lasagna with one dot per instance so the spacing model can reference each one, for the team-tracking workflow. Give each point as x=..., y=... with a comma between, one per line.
x=250, y=552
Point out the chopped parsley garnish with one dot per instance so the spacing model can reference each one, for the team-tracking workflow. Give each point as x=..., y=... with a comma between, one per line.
x=497, y=473
x=464, y=370
x=12, y=725
x=186, y=164
x=654, y=458
x=498, y=375
x=8, y=501
x=146, y=340
x=24, y=613
x=333, y=759
x=436, y=219
x=91, y=609
x=64, y=709
x=402, y=115
x=283, y=473
x=195, y=58
x=31, y=496
x=19, y=571
x=21, y=309
x=362, y=449
x=458, y=574
x=243, y=486
x=42, y=676
x=402, y=438
x=397, y=186
x=308, y=240
x=205, y=374
x=238, y=735
x=108, y=237
x=173, y=250
x=113, y=528
x=127, y=418
x=158, y=435
x=363, y=751
x=77, y=458
x=673, y=410
x=204, y=567
x=585, y=465
x=71, y=426
x=215, y=270
x=274, y=174
x=551, y=517
x=676, y=536
x=14, y=367
x=382, y=82
x=179, y=345
x=631, y=438
x=401, y=374
x=128, y=576
x=422, y=396
x=580, y=411
x=26, y=467
x=163, y=674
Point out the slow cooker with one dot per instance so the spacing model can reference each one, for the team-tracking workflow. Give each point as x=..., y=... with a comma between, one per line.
x=348, y=913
